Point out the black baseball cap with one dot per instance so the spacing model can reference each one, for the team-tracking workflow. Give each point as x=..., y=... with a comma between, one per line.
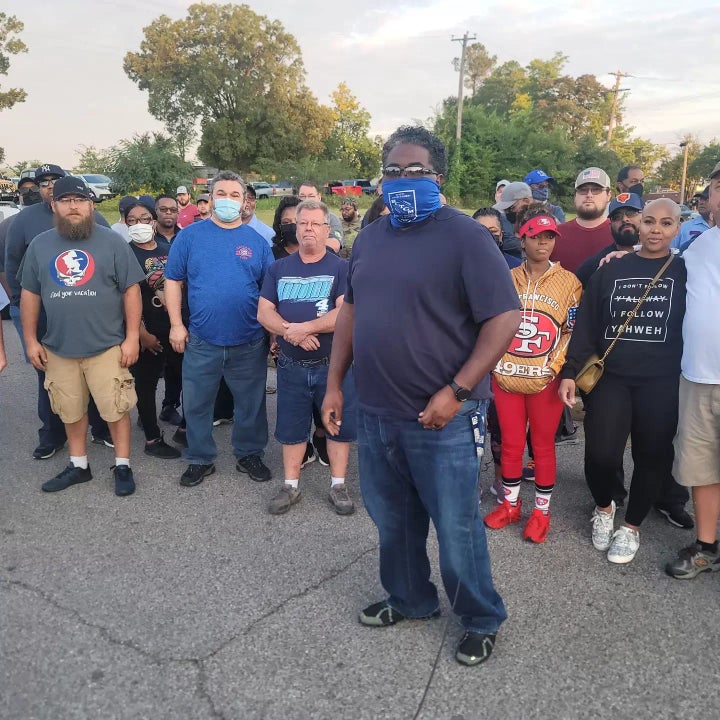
x=126, y=203
x=49, y=170
x=70, y=185
x=27, y=179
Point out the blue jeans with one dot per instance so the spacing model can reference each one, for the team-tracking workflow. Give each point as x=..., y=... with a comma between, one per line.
x=409, y=475
x=244, y=368
x=301, y=389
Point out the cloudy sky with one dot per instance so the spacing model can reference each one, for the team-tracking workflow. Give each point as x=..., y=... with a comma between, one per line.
x=395, y=56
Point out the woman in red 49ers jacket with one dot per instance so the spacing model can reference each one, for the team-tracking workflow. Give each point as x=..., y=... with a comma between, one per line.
x=525, y=381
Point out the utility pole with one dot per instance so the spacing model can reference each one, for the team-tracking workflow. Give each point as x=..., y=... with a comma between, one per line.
x=616, y=98
x=685, y=145
x=464, y=40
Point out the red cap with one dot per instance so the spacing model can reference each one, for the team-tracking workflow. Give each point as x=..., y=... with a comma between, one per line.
x=539, y=224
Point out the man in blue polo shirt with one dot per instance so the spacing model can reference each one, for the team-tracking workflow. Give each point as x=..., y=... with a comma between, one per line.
x=223, y=263
x=691, y=229
x=429, y=309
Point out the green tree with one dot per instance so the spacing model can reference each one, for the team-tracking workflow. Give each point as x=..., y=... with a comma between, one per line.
x=240, y=74
x=18, y=167
x=10, y=27
x=669, y=174
x=92, y=160
x=147, y=163
x=349, y=141
x=705, y=162
x=478, y=66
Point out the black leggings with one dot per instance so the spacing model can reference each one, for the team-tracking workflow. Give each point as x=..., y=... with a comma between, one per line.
x=646, y=409
x=147, y=371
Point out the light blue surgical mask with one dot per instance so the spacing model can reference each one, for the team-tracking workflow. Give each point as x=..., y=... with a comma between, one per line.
x=410, y=201
x=227, y=210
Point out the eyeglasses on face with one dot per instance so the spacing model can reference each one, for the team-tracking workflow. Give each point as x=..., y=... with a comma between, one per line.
x=144, y=220
x=589, y=190
x=415, y=170
x=70, y=200
x=167, y=210
x=311, y=224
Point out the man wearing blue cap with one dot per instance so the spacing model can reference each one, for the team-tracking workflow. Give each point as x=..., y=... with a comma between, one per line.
x=539, y=182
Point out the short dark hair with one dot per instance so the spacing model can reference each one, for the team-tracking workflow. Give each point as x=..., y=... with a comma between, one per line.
x=309, y=183
x=286, y=202
x=418, y=135
x=487, y=212
x=375, y=209
x=250, y=192
x=625, y=171
x=536, y=209
x=165, y=196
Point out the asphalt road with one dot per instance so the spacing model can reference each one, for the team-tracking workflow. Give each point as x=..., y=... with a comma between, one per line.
x=196, y=604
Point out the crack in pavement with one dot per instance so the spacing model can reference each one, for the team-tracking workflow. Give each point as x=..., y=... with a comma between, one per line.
x=199, y=663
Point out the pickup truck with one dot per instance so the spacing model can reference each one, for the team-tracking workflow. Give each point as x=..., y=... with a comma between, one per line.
x=262, y=189
x=366, y=186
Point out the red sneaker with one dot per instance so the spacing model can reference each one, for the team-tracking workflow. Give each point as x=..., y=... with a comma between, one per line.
x=538, y=526
x=503, y=515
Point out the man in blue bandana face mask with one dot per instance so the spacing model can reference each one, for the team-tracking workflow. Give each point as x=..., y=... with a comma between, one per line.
x=429, y=309
x=223, y=263
x=539, y=182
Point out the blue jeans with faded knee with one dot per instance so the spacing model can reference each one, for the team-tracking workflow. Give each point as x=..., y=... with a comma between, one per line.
x=409, y=475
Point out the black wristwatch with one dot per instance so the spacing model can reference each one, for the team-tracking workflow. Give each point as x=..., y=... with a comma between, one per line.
x=461, y=394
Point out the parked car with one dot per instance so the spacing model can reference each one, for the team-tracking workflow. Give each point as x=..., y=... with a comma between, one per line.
x=262, y=189
x=282, y=189
x=685, y=213
x=8, y=189
x=367, y=187
x=100, y=185
x=340, y=188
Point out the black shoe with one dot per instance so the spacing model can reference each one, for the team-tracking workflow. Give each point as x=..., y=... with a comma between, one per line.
x=105, y=440
x=253, y=466
x=309, y=456
x=71, y=475
x=160, y=449
x=676, y=516
x=195, y=474
x=380, y=614
x=124, y=480
x=180, y=437
x=475, y=648
x=169, y=414
x=320, y=444
x=43, y=452
x=569, y=439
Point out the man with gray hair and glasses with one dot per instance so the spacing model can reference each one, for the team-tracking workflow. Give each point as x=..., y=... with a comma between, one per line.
x=223, y=263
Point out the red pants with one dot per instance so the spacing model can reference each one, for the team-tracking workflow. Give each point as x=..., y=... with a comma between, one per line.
x=543, y=411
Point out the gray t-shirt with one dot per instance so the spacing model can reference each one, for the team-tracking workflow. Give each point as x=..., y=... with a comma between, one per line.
x=81, y=283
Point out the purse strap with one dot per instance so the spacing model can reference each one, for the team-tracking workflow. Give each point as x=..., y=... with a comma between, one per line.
x=632, y=314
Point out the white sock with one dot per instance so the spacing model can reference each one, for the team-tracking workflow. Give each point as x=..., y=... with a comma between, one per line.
x=293, y=483
x=542, y=498
x=80, y=461
x=512, y=491
x=122, y=461
x=336, y=481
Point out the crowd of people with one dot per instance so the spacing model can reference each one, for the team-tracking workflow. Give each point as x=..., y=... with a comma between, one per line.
x=408, y=330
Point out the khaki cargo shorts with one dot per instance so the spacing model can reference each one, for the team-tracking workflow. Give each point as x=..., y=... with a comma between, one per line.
x=697, y=443
x=71, y=381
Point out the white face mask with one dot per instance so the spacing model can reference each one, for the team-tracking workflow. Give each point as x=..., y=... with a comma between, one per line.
x=140, y=233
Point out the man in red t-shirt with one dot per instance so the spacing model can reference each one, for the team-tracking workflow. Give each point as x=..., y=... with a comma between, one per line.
x=188, y=211
x=589, y=233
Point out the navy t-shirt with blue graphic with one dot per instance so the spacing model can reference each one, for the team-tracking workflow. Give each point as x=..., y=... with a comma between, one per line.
x=305, y=291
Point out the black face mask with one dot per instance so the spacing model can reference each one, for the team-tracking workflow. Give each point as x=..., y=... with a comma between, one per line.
x=287, y=234
x=637, y=190
x=511, y=215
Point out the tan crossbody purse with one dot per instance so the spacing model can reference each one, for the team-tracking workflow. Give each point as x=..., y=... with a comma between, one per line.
x=594, y=368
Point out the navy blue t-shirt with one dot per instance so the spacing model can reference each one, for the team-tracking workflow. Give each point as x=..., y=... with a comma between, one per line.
x=305, y=291
x=224, y=271
x=420, y=297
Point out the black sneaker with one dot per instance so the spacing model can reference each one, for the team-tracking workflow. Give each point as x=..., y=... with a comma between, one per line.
x=677, y=516
x=320, y=444
x=180, y=437
x=124, y=480
x=309, y=456
x=71, y=475
x=195, y=474
x=169, y=414
x=380, y=614
x=160, y=449
x=43, y=452
x=105, y=440
x=475, y=648
x=253, y=466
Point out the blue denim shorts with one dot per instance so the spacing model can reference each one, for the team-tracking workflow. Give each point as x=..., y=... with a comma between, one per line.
x=299, y=390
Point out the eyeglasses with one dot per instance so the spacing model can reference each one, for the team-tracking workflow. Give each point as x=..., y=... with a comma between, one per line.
x=47, y=183
x=314, y=225
x=70, y=200
x=622, y=213
x=412, y=171
x=145, y=220
x=168, y=210
x=589, y=190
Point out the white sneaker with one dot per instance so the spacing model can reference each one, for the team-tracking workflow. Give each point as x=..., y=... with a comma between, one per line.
x=603, y=525
x=625, y=543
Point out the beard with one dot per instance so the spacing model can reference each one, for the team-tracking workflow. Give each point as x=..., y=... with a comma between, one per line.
x=626, y=236
x=589, y=213
x=80, y=230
